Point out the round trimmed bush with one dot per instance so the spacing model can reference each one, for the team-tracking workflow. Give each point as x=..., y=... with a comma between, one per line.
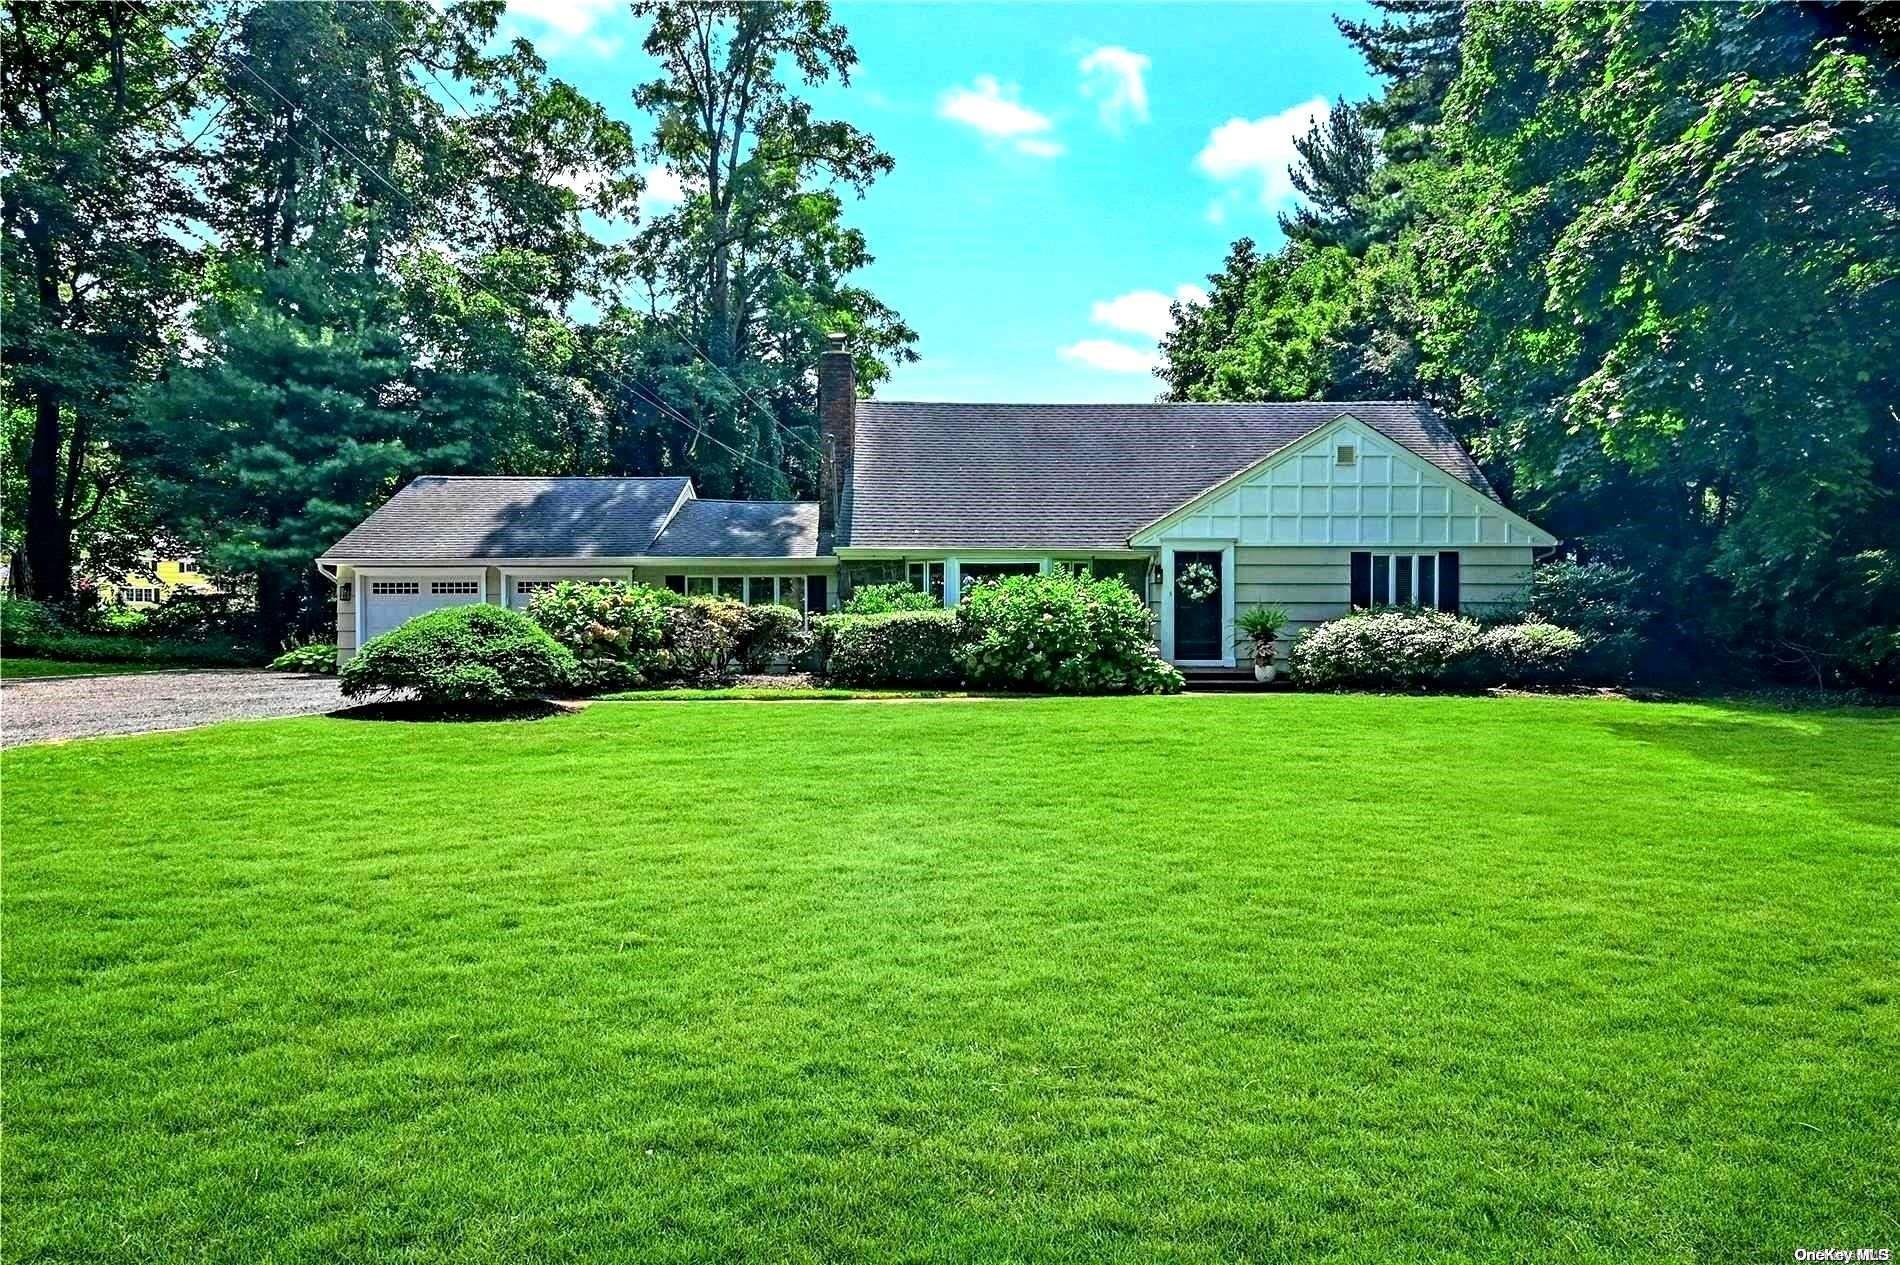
x=1392, y=647
x=462, y=654
x=1531, y=653
x=1061, y=634
x=894, y=648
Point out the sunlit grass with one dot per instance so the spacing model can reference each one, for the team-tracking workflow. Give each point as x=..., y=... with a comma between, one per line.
x=1192, y=979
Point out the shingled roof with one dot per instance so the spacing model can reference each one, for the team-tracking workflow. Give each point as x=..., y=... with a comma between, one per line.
x=1024, y=476
x=444, y=517
x=742, y=529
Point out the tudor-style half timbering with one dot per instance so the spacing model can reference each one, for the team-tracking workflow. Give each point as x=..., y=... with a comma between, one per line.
x=1375, y=493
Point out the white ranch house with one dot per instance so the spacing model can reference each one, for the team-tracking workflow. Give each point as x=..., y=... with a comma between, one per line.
x=1314, y=507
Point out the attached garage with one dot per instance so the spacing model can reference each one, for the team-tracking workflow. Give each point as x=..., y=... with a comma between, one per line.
x=390, y=600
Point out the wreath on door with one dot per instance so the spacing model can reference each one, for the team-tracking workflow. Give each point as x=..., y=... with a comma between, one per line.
x=1197, y=582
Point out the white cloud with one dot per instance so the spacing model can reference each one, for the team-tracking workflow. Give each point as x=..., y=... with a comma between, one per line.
x=1257, y=152
x=1036, y=147
x=1114, y=78
x=992, y=108
x=1112, y=357
x=569, y=17
x=663, y=190
x=1144, y=311
x=568, y=24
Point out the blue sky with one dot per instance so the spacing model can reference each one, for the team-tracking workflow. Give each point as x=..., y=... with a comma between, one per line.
x=1062, y=169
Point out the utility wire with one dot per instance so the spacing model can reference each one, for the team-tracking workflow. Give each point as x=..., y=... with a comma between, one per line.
x=744, y=395
x=633, y=388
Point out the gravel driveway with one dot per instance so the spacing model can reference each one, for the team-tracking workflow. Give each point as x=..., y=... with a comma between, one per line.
x=140, y=702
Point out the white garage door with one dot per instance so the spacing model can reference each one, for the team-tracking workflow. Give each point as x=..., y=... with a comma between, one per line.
x=393, y=601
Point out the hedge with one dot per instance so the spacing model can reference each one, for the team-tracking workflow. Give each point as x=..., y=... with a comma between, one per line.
x=898, y=648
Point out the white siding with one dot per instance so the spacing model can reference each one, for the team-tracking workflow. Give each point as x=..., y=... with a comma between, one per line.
x=1315, y=584
x=1386, y=497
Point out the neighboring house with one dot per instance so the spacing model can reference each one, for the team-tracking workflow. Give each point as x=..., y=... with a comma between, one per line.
x=159, y=580
x=1205, y=509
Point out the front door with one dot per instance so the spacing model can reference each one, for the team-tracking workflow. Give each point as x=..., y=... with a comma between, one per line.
x=1197, y=606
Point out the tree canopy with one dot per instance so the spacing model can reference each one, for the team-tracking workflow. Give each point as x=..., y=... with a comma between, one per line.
x=1647, y=259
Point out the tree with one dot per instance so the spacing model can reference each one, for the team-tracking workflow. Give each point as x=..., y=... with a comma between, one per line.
x=748, y=273
x=1338, y=157
x=93, y=99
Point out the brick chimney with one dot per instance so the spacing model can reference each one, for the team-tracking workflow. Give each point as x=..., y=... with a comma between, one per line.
x=837, y=426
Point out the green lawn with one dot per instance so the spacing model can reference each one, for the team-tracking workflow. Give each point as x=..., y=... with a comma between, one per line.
x=1279, y=978
x=13, y=666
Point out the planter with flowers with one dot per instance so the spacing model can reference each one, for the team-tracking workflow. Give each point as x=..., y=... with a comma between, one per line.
x=1262, y=624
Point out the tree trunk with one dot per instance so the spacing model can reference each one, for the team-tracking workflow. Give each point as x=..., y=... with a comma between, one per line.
x=49, y=546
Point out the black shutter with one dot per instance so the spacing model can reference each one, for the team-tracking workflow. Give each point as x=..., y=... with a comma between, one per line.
x=1361, y=580
x=817, y=593
x=677, y=583
x=1448, y=582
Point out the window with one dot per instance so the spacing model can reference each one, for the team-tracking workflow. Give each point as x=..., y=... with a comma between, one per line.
x=926, y=577
x=1405, y=579
x=523, y=588
x=978, y=572
x=395, y=588
x=1346, y=455
x=139, y=593
x=454, y=588
x=791, y=591
x=699, y=586
x=758, y=590
x=732, y=587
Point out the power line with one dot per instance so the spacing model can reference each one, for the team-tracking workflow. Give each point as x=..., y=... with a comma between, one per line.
x=635, y=389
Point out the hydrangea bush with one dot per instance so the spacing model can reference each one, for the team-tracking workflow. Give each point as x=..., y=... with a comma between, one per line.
x=1411, y=648
x=1061, y=633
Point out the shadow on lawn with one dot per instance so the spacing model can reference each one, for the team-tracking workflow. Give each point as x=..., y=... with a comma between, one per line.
x=406, y=710
x=1843, y=758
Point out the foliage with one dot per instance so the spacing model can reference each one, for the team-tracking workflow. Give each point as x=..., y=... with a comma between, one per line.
x=462, y=654
x=40, y=630
x=702, y=639
x=1262, y=623
x=94, y=100
x=1406, y=648
x=1388, y=647
x=1597, y=600
x=901, y=647
x=768, y=634
x=882, y=599
x=1530, y=653
x=1061, y=633
x=316, y=657
x=1643, y=257
x=616, y=631
x=753, y=266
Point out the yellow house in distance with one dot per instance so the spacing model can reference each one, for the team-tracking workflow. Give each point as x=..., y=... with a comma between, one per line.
x=162, y=578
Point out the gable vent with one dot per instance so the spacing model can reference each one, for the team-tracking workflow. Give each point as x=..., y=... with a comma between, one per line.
x=1346, y=455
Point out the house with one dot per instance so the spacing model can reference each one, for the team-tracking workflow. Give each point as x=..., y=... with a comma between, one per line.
x=1204, y=509
x=158, y=580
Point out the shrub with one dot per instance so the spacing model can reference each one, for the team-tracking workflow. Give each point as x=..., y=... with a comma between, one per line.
x=894, y=648
x=462, y=654
x=1593, y=599
x=617, y=632
x=1061, y=633
x=1531, y=653
x=312, y=658
x=767, y=633
x=882, y=599
x=702, y=638
x=1390, y=647
x=38, y=629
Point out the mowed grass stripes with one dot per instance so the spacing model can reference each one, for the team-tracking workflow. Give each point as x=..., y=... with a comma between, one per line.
x=1279, y=978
